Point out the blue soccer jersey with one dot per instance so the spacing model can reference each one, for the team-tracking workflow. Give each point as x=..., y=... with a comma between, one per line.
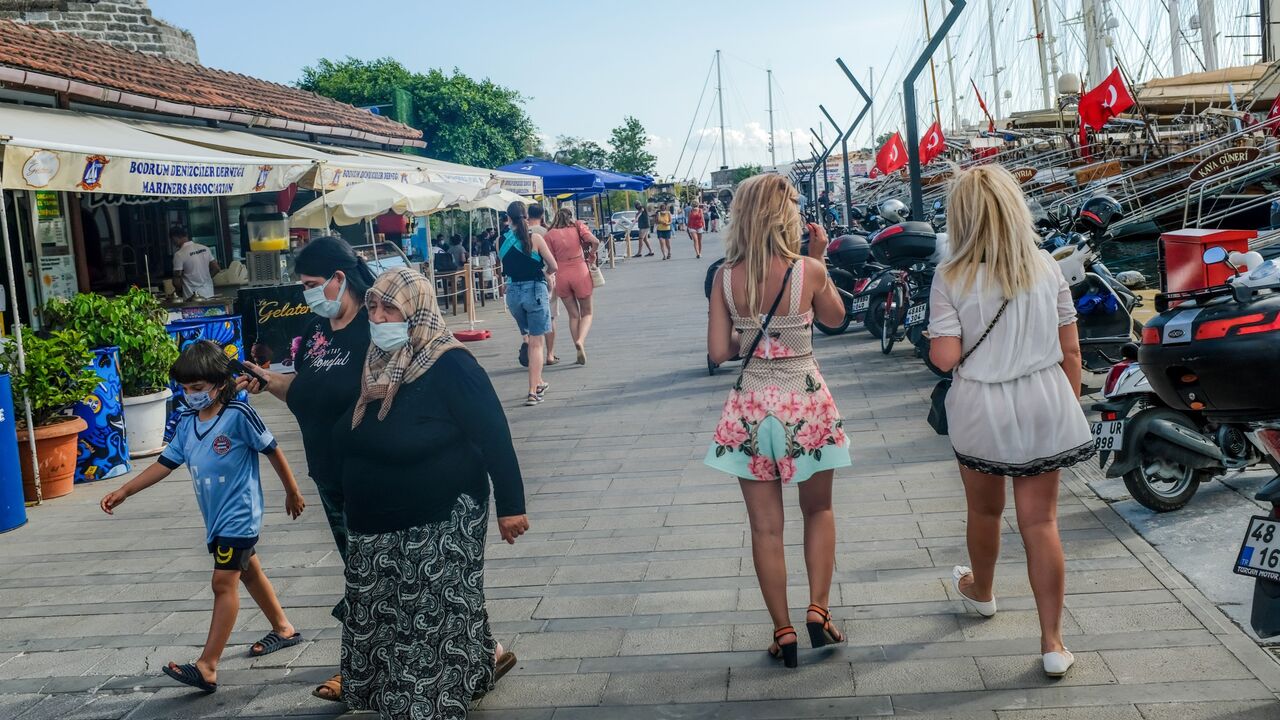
x=222, y=455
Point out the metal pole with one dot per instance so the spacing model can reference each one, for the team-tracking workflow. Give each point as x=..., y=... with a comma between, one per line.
x=724, y=156
x=773, y=157
x=813, y=185
x=22, y=352
x=1208, y=33
x=1175, y=36
x=995, y=59
x=871, y=83
x=839, y=134
x=826, y=152
x=909, y=104
x=951, y=75
x=848, y=133
x=1038, y=11
x=933, y=71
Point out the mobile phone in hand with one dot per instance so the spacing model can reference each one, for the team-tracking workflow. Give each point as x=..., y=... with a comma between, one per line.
x=240, y=368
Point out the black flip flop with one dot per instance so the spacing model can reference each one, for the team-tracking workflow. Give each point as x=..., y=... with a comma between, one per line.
x=189, y=674
x=274, y=641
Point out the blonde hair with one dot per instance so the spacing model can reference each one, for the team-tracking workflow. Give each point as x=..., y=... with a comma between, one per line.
x=766, y=225
x=989, y=223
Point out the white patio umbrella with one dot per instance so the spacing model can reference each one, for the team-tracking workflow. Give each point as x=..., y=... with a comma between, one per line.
x=366, y=200
x=455, y=193
x=496, y=199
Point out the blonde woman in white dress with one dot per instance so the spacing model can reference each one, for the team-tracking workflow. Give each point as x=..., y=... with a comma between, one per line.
x=1013, y=409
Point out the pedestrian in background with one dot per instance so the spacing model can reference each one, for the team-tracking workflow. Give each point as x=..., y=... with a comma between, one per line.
x=642, y=226
x=713, y=218
x=574, y=246
x=780, y=425
x=219, y=440
x=536, y=226
x=530, y=269
x=424, y=441
x=1003, y=321
x=696, y=223
x=663, y=222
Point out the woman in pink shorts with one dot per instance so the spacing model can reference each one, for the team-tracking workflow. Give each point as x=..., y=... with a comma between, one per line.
x=573, y=246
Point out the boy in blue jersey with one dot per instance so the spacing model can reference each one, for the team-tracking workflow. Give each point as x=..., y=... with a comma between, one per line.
x=219, y=439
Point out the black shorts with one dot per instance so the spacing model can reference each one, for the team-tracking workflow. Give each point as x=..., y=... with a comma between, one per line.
x=232, y=553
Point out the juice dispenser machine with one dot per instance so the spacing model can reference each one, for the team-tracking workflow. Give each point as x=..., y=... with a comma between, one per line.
x=268, y=242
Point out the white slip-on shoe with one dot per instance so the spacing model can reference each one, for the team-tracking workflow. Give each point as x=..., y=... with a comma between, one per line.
x=1056, y=664
x=985, y=609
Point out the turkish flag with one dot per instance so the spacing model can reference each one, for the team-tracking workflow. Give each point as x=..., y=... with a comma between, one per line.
x=875, y=173
x=1106, y=101
x=1084, y=143
x=932, y=144
x=893, y=156
x=1273, y=117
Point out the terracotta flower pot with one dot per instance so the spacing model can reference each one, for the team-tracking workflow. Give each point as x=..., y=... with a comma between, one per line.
x=56, y=452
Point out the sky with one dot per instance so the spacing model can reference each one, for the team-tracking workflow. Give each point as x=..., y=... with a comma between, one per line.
x=585, y=65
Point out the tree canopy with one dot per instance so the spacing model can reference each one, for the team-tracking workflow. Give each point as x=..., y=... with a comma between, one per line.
x=629, y=155
x=746, y=171
x=577, y=151
x=463, y=120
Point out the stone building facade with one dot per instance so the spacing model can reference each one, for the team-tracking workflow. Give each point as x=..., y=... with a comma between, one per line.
x=127, y=24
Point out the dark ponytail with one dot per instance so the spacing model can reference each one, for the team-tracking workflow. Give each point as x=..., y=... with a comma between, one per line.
x=324, y=256
x=519, y=216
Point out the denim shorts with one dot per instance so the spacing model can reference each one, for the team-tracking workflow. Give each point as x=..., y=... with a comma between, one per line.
x=530, y=306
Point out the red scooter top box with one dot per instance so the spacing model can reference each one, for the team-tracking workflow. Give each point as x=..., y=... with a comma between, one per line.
x=1182, y=257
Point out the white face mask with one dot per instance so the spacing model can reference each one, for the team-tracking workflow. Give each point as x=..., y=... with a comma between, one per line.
x=389, y=336
x=322, y=305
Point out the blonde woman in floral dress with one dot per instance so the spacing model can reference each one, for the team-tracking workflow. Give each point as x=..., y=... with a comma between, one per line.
x=780, y=425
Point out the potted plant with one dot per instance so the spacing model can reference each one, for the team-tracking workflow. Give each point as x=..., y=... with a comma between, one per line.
x=56, y=376
x=135, y=323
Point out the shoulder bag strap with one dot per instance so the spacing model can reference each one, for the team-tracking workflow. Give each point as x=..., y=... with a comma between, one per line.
x=764, y=326
x=996, y=319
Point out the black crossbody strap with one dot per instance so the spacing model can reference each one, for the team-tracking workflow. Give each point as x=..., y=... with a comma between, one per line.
x=996, y=319
x=764, y=326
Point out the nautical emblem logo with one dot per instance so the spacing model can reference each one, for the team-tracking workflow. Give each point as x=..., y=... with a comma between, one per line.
x=336, y=180
x=40, y=168
x=91, y=178
x=264, y=171
x=222, y=444
x=404, y=177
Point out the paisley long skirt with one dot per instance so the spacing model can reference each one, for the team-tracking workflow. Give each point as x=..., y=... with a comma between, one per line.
x=416, y=643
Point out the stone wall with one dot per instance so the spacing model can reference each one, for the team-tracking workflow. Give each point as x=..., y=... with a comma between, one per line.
x=128, y=24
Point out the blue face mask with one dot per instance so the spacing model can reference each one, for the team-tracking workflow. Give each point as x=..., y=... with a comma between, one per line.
x=321, y=305
x=389, y=336
x=198, y=400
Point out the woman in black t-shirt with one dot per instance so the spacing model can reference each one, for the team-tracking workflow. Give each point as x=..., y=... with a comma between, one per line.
x=642, y=225
x=326, y=378
x=424, y=441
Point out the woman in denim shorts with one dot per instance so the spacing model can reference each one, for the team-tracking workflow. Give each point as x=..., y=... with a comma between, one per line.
x=529, y=266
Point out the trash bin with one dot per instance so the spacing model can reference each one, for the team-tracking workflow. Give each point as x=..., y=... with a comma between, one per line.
x=13, y=512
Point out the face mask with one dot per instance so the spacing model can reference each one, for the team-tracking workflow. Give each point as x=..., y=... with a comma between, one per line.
x=321, y=305
x=389, y=336
x=199, y=400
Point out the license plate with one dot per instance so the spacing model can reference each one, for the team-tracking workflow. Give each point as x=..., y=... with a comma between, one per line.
x=916, y=314
x=1260, y=552
x=1108, y=435
x=860, y=303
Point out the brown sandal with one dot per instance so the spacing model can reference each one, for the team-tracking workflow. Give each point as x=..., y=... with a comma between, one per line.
x=504, y=665
x=330, y=689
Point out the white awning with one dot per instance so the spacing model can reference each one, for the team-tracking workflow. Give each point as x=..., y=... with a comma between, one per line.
x=441, y=170
x=61, y=150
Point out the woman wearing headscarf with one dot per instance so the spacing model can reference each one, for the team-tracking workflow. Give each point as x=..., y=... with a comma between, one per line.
x=422, y=443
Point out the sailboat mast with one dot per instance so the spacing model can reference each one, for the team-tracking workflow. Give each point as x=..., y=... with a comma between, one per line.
x=933, y=71
x=871, y=73
x=1038, y=10
x=995, y=60
x=951, y=75
x=724, y=155
x=1095, y=38
x=773, y=157
x=1175, y=36
x=1208, y=33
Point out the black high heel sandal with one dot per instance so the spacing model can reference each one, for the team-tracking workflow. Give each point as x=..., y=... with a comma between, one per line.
x=823, y=633
x=789, y=653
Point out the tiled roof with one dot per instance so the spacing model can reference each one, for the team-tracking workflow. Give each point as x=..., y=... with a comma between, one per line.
x=177, y=87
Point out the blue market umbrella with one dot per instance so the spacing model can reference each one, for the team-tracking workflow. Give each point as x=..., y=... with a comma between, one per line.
x=557, y=179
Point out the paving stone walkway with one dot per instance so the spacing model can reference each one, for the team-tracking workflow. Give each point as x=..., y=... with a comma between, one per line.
x=634, y=596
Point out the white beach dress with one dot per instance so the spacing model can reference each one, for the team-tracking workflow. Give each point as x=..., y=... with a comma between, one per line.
x=1011, y=410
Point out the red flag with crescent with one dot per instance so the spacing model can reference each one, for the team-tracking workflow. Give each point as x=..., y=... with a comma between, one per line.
x=893, y=156
x=1106, y=101
x=1273, y=117
x=932, y=144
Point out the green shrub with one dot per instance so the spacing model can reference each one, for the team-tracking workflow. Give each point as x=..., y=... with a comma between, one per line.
x=133, y=322
x=57, y=372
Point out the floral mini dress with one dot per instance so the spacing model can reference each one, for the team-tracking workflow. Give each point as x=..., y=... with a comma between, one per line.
x=780, y=421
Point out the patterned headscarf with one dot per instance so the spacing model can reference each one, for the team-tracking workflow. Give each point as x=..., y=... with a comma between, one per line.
x=384, y=372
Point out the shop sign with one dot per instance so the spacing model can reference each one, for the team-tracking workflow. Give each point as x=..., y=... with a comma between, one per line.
x=1023, y=175
x=58, y=276
x=274, y=318
x=333, y=177
x=47, y=205
x=1220, y=162
x=30, y=169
